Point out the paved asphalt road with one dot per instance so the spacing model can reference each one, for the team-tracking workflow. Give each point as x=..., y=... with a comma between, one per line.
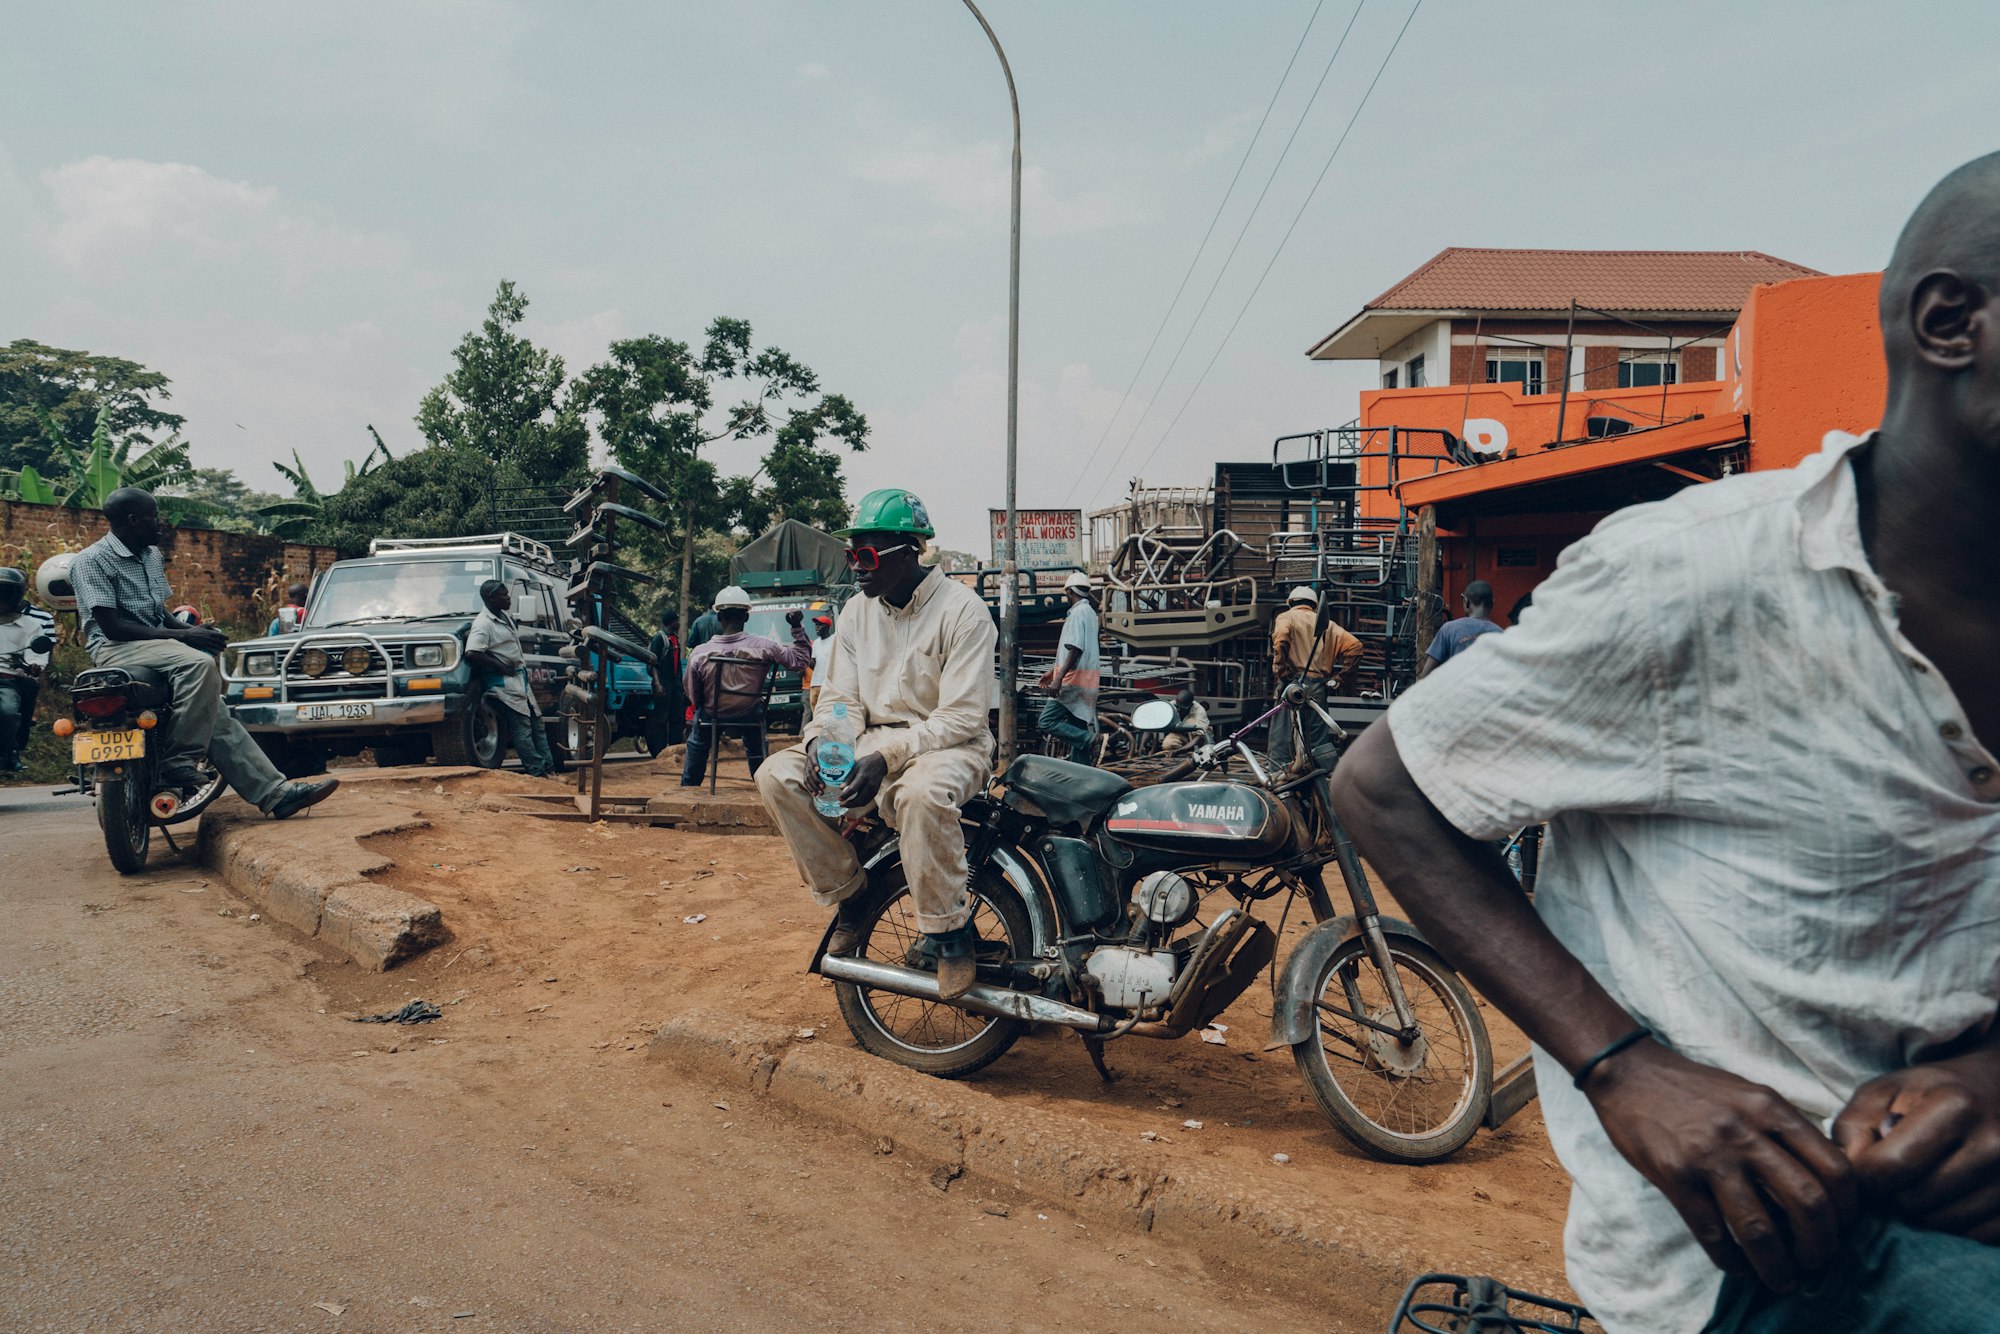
x=190, y=1142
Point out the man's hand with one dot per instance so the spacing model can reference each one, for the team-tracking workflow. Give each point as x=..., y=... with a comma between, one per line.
x=204, y=637
x=813, y=783
x=1758, y=1184
x=864, y=781
x=32, y=668
x=795, y=618
x=1926, y=1140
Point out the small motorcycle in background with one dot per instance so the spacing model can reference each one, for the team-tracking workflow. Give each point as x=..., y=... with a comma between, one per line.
x=118, y=721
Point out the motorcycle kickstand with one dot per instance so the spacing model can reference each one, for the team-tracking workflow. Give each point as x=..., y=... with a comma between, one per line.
x=1095, y=1046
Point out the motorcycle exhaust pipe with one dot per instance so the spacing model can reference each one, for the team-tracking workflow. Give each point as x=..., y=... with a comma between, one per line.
x=999, y=1001
x=165, y=804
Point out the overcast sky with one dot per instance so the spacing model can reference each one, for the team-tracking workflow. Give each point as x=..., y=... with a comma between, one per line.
x=295, y=211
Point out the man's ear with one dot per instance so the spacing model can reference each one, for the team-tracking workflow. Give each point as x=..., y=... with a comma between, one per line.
x=1945, y=312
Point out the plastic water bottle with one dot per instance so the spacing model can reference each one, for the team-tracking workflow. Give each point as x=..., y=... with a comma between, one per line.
x=836, y=760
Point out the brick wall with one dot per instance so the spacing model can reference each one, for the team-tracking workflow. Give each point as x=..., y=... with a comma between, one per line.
x=235, y=578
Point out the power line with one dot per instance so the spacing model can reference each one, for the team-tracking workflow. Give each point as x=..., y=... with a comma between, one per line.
x=1230, y=258
x=1195, y=259
x=1285, y=238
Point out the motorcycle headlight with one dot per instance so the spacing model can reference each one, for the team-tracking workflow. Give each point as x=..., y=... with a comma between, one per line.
x=313, y=662
x=427, y=655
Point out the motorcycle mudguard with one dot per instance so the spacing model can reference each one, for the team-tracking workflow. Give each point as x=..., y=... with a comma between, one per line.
x=1292, y=1016
x=1013, y=868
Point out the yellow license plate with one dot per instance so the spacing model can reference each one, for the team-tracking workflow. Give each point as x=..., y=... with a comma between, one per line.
x=100, y=747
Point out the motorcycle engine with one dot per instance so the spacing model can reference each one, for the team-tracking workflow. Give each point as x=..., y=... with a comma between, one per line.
x=1132, y=979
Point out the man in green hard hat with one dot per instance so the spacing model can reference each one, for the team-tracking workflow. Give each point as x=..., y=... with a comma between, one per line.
x=915, y=670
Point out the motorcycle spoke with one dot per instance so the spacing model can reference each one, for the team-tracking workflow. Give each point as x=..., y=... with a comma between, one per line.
x=1409, y=1102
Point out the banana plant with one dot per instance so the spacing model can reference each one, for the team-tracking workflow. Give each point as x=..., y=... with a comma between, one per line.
x=90, y=478
x=302, y=513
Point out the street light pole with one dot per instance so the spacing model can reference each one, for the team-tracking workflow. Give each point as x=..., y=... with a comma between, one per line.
x=1010, y=611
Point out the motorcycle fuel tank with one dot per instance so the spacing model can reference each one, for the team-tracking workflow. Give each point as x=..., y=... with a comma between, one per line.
x=1226, y=821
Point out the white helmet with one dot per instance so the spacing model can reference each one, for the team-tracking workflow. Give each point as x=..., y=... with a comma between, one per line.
x=1077, y=579
x=1302, y=594
x=52, y=582
x=732, y=596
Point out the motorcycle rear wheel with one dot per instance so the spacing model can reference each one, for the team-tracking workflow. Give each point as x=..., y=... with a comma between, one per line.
x=1403, y=1103
x=931, y=1036
x=123, y=812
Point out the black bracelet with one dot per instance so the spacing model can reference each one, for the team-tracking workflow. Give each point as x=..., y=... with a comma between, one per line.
x=1637, y=1035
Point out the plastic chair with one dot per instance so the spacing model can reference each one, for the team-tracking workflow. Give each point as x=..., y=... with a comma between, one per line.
x=735, y=679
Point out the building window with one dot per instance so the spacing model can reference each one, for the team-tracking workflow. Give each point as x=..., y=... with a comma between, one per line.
x=1515, y=366
x=1389, y=378
x=1638, y=370
x=1413, y=372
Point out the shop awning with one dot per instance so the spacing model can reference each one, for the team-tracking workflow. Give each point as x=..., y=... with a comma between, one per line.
x=1568, y=469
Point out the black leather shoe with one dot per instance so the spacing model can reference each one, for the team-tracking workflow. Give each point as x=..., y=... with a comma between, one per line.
x=957, y=961
x=848, y=929
x=297, y=796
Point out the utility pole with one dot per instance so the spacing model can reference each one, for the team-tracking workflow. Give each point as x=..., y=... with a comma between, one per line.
x=1010, y=607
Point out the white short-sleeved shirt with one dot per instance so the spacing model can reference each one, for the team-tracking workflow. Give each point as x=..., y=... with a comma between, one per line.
x=1774, y=838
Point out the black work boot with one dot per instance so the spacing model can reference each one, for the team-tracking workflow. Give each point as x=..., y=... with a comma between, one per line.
x=957, y=955
x=849, y=931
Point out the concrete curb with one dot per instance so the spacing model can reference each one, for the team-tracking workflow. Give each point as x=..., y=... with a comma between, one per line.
x=1356, y=1264
x=312, y=876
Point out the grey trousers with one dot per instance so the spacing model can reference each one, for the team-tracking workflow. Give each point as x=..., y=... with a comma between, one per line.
x=200, y=723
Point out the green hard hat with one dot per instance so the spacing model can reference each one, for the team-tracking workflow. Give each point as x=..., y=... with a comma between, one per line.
x=890, y=510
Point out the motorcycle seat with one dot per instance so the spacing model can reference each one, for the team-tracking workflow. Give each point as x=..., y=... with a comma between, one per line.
x=1067, y=793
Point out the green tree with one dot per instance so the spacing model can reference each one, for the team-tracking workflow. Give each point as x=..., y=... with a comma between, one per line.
x=658, y=410
x=300, y=518
x=230, y=503
x=425, y=493
x=70, y=388
x=507, y=402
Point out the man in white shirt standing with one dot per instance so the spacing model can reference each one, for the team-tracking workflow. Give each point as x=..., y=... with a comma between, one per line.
x=915, y=670
x=1762, y=968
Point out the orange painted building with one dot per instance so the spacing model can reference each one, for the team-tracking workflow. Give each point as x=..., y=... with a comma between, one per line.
x=1803, y=357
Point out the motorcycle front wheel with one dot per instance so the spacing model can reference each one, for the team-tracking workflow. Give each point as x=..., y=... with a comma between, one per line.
x=932, y=1036
x=1414, y=1102
x=123, y=813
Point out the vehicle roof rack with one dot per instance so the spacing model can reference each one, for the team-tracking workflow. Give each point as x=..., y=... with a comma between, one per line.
x=513, y=544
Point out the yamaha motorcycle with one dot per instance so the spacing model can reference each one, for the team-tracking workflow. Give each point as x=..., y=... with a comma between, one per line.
x=1128, y=912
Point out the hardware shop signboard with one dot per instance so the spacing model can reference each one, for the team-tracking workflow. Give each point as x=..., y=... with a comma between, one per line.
x=1043, y=539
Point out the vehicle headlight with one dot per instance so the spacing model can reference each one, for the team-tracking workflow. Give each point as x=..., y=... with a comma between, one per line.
x=259, y=664
x=355, y=660
x=313, y=662
x=427, y=655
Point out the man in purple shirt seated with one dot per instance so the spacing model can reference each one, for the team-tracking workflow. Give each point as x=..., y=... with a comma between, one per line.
x=738, y=682
x=1454, y=637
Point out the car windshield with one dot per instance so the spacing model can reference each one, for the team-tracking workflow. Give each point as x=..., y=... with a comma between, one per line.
x=770, y=623
x=397, y=589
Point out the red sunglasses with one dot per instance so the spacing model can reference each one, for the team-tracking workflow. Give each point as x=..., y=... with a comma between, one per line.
x=870, y=558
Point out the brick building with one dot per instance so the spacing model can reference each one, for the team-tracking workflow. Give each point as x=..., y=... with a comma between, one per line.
x=1641, y=318
x=234, y=578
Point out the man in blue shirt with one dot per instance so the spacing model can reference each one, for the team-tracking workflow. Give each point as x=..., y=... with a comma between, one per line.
x=1072, y=683
x=1457, y=636
x=121, y=601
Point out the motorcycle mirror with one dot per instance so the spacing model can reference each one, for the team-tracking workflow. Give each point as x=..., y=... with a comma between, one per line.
x=42, y=644
x=1155, y=715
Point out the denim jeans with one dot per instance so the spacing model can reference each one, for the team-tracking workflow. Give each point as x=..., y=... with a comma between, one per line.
x=1280, y=749
x=529, y=739
x=1890, y=1279
x=696, y=763
x=1058, y=721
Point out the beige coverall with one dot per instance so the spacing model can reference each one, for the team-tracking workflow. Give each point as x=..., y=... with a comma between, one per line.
x=919, y=680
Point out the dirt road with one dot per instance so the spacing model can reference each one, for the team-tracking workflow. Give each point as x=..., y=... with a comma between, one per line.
x=195, y=1137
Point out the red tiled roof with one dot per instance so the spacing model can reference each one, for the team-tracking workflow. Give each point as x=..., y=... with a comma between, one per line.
x=1460, y=278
